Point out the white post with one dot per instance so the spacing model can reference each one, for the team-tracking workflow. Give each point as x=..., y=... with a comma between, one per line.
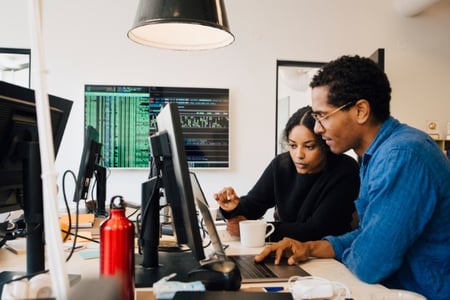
x=55, y=255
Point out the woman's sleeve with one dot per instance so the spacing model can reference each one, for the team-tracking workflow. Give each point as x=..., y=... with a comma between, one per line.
x=259, y=199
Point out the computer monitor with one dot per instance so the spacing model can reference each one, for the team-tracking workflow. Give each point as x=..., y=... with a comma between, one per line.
x=173, y=176
x=177, y=183
x=90, y=165
x=20, y=167
x=125, y=115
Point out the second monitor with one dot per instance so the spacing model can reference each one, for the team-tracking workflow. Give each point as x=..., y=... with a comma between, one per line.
x=173, y=177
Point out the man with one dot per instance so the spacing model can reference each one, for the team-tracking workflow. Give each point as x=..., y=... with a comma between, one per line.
x=403, y=240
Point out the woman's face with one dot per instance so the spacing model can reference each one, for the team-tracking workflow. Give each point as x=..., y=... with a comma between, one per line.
x=306, y=154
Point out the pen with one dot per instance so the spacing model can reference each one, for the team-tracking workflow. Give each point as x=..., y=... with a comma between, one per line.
x=7, y=247
x=273, y=289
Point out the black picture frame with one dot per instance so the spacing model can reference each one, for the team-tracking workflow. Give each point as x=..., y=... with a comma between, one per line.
x=15, y=66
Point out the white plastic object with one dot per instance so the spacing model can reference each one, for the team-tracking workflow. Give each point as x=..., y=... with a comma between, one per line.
x=38, y=287
x=165, y=289
x=312, y=289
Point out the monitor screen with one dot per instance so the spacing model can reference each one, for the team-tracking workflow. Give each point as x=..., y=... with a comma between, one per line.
x=18, y=124
x=125, y=115
x=90, y=157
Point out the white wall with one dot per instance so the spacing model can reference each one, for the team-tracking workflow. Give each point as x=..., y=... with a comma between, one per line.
x=85, y=42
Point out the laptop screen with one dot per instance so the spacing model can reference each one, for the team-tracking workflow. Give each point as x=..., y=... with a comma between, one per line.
x=202, y=205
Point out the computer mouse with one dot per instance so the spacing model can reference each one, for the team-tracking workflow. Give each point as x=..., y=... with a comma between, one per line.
x=217, y=275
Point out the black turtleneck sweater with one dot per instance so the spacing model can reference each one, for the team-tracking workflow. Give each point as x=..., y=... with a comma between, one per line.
x=307, y=206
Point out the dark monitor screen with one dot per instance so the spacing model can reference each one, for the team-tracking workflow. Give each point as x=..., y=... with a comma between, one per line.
x=20, y=165
x=90, y=157
x=126, y=115
x=176, y=181
x=18, y=125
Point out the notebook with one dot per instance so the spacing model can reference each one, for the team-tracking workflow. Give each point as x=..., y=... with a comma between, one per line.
x=265, y=271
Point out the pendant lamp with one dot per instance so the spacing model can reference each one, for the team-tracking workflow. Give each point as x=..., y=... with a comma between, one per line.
x=181, y=24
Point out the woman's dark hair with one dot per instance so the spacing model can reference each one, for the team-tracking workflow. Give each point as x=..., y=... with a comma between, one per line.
x=302, y=117
x=351, y=78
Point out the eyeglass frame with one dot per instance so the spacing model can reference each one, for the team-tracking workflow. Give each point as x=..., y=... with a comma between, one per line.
x=320, y=119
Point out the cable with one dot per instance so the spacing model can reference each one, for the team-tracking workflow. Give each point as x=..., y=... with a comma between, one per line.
x=27, y=276
x=65, y=199
x=204, y=232
x=69, y=214
x=72, y=250
x=81, y=236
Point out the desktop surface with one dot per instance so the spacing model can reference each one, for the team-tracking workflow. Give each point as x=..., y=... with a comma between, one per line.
x=89, y=268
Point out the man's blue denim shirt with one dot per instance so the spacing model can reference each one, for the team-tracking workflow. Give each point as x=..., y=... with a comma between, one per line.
x=404, y=207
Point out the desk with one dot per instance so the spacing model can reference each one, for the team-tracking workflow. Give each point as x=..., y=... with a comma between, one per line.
x=329, y=269
x=89, y=269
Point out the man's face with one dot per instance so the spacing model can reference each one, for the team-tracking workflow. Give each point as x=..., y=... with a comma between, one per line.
x=333, y=123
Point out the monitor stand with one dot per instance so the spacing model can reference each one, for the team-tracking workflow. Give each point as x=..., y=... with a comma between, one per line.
x=180, y=263
x=153, y=264
x=100, y=176
x=34, y=215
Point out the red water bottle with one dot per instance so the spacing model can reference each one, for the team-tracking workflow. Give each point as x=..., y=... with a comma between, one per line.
x=117, y=248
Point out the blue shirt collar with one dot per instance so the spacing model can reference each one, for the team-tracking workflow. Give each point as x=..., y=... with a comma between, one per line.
x=385, y=131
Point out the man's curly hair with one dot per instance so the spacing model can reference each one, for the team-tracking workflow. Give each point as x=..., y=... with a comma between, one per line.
x=351, y=78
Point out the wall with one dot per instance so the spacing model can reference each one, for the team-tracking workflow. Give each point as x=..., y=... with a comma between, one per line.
x=85, y=42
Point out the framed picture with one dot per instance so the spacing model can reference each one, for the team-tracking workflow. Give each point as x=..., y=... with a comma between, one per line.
x=15, y=66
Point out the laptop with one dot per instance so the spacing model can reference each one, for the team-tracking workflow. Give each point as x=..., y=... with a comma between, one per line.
x=251, y=272
x=226, y=295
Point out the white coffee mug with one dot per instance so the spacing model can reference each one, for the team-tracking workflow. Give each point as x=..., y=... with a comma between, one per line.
x=254, y=232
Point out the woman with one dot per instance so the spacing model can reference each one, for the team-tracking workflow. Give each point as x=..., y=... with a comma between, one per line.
x=311, y=189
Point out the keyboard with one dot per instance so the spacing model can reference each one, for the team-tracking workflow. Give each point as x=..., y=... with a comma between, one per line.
x=250, y=269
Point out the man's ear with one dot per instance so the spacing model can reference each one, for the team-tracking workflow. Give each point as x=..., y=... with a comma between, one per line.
x=362, y=111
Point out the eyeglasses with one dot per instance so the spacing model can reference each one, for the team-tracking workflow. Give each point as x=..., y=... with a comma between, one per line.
x=319, y=117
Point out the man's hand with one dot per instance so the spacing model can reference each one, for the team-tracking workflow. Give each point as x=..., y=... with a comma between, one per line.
x=287, y=247
x=296, y=251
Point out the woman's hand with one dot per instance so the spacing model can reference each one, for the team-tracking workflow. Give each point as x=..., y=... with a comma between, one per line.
x=233, y=225
x=227, y=199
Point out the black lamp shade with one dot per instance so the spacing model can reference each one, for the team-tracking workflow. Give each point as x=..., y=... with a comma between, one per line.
x=181, y=24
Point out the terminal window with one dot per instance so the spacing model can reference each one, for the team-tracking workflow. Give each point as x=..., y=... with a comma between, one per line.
x=125, y=116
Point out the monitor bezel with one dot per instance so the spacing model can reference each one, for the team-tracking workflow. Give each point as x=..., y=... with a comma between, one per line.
x=182, y=206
